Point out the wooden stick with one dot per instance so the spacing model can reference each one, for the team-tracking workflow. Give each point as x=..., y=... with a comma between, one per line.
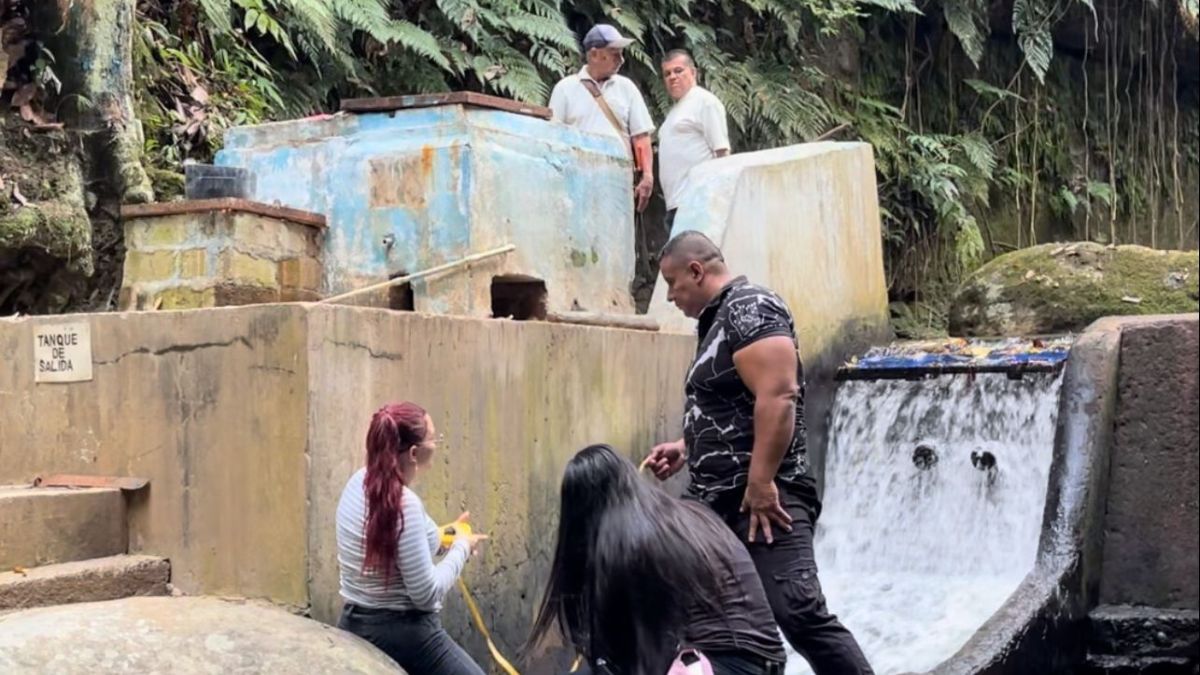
x=831, y=132
x=629, y=321
x=422, y=274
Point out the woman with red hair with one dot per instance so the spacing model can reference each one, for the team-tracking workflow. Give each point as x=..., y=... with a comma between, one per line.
x=391, y=586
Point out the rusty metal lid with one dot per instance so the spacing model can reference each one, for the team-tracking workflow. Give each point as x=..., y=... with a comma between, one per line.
x=466, y=98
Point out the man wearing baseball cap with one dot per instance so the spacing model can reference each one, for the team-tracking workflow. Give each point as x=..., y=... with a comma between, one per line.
x=598, y=100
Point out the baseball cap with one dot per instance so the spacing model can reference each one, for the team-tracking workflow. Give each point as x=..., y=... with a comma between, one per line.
x=603, y=35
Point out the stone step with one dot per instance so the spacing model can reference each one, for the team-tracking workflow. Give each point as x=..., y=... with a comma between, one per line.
x=1128, y=631
x=42, y=526
x=118, y=576
x=1138, y=665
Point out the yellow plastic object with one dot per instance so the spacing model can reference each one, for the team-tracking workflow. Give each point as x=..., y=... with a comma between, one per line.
x=474, y=609
x=450, y=532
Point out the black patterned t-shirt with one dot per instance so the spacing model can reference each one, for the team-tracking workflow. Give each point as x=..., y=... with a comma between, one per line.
x=718, y=422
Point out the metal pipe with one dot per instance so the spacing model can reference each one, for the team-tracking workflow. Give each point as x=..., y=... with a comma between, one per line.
x=476, y=257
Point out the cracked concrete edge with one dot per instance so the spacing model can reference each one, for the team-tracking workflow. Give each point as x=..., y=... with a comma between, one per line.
x=93, y=580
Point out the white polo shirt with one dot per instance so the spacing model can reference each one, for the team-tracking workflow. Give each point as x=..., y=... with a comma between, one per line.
x=573, y=104
x=693, y=132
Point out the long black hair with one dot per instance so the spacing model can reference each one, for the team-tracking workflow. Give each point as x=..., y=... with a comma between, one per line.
x=630, y=563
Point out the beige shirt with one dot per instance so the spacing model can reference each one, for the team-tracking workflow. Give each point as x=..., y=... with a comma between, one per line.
x=693, y=132
x=571, y=103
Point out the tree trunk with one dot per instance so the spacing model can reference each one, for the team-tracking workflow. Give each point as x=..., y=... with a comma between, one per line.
x=92, y=41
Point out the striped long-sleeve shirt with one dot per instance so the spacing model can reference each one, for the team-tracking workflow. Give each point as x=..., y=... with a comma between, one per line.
x=418, y=582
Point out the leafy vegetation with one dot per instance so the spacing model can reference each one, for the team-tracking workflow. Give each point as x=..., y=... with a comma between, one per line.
x=986, y=139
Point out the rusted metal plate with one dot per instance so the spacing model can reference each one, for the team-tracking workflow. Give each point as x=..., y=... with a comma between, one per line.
x=470, y=98
x=204, y=205
x=78, y=481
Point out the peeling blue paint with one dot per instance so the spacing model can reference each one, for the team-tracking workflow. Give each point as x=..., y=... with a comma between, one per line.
x=448, y=181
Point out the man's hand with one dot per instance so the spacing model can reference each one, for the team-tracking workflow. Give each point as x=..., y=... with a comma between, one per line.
x=762, y=501
x=666, y=459
x=642, y=192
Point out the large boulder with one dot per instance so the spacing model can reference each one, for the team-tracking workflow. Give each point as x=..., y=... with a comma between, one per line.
x=1059, y=288
x=179, y=635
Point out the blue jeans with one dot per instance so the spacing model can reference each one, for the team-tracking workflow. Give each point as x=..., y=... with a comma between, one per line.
x=413, y=639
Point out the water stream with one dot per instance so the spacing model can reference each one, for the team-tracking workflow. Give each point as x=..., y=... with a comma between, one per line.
x=933, y=507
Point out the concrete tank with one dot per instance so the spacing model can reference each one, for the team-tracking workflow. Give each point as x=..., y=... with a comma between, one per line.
x=416, y=181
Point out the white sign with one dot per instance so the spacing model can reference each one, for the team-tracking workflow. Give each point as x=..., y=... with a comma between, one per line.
x=62, y=352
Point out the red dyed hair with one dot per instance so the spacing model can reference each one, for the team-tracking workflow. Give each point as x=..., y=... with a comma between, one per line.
x=395, y=429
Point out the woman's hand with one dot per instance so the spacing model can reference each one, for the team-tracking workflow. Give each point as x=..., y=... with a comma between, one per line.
x=465, y=534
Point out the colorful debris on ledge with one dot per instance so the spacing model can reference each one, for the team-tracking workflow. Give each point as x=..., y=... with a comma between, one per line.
x=929, y=358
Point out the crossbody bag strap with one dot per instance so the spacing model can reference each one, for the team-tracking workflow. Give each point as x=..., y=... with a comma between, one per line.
x=594, y=89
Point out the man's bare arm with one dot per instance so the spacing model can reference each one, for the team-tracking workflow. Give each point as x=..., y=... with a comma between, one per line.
x=768, y=367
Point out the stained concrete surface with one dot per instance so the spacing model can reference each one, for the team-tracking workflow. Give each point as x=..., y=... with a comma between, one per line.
x=407, y=190
x=209, y=406
x=248, y=421
x=118, y=576
x=1151, y=549
x=515, y=401
x=182, y=636
x=39, y=526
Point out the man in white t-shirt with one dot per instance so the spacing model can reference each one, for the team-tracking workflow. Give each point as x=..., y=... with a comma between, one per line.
x=695, y=130
x=580, y=100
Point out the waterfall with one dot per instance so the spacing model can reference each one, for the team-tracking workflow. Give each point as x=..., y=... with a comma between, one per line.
x=934, y=492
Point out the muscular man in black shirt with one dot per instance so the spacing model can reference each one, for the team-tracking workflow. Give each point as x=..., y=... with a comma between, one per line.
x=744, y=441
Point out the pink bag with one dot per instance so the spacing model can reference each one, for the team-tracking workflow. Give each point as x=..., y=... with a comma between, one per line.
x=690, y=662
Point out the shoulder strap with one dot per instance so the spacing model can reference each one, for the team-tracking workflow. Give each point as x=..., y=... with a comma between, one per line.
x=594, y=89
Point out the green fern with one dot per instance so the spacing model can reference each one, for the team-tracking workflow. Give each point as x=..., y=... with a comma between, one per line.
x=1031, y=21
x=989, y=90
x=979, y=153
x=549, y=30
x=217, y=14
x=967, y=19
x=907, y=6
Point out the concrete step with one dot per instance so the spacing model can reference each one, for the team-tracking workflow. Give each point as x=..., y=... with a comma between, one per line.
x=1125, y=630
x=41, y=526
x=118, y=576
x=1128, y=640
x=1138, y=665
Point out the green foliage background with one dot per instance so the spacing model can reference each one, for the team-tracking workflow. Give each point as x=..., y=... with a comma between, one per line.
x=987, y=137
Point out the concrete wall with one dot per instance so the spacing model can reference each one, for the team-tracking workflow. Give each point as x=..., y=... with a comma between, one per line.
x=514, y=400
x=1151, y=547
x=185, y=256
x=208, y=405
x=804, y=221
x=448, y=181
x=248, y=421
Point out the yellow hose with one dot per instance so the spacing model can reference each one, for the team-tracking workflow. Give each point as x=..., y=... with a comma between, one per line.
x=500, y=660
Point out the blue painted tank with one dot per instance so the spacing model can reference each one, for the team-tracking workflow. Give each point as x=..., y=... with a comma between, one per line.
x=407, y=189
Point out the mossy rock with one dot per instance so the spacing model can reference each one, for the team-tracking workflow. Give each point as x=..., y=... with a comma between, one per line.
x=1060, y=288
x=45, y=233
x=168, y=185
x=59, y=230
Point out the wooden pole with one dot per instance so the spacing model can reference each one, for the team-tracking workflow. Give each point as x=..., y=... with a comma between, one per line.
x=476, y=257
x=629, y=321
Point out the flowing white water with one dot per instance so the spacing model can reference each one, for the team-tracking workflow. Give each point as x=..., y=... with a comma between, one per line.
x=913, y=560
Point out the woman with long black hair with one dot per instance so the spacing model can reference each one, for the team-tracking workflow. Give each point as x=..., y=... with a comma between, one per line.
x=391, y=586
x=639, y=577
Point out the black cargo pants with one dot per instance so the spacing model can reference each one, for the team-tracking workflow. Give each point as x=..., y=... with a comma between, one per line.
x=788, y=571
